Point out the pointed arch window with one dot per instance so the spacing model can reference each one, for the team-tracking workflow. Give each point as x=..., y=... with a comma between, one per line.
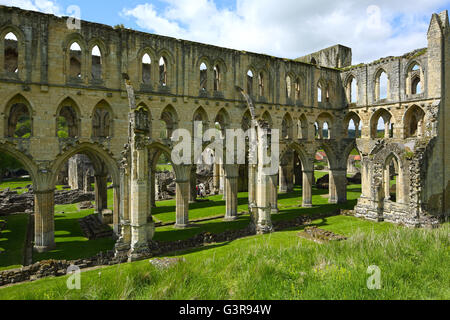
x=203, y=77
x=96, y=56
x=146, y=68
x=163, y=71
x=11, y=46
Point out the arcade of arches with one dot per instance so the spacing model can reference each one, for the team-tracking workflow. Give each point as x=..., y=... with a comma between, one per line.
x=390, y=111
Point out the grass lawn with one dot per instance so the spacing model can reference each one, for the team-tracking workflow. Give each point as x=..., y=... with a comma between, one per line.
x=413, y=263
x=12, y=241
x=70, y=242
x=164, y=167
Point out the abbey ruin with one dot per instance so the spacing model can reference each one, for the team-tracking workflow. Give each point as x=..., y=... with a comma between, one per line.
x=123, y=93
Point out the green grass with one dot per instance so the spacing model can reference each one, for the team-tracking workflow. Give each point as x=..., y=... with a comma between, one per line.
x=16, y=183
x=413, y=263
x=12, y=241
x=69, y=239
x=164, y=167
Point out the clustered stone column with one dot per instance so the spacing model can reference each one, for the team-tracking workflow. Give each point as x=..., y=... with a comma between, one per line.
x=44, y=228
x=183, y=192
x=338, y=186
x=231, y=191
x=308, y=176
x=140, y=208
x=273, y=185
x=101, y=193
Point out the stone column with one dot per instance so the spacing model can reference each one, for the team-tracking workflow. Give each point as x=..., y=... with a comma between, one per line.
x=273, y=185
x=153, y=189
x=116, y=211
x=221, y=181
x=231, y=191
x=283, y=179
x=338, y=186
x=101, y=194
x=123, y=244
x=141, y=228
x=308, y=177
x=387, y=183
x=263, y=202
x=44, y=226
x=183, y=191
x=193, y=184
x=332, y=196
x=216, y=179
x=386, y=130
x=252, y=189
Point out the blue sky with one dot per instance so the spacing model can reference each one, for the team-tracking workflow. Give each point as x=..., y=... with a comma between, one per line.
x=284, y=28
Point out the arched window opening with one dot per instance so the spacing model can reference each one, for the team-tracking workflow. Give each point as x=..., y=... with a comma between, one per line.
x=250, y=82
x=326, y=131
x=75, y=61
x=414, y=122
x=286, y=127
x=163, y=72
x=297, y=89
x=146, y=68
x=216, y=78
x=67, y=123
x=392, y=180
x=288, y=87
x=316, y=130
x=352, y=90
x=101, y=122
x=303, y=127
x=96, y=63
x=19, y=122
x=354, y=162
x=261, y=84
x=11, y=46
x=416, y=86
x=203, y=77
x=381, y=86
x=319, y=93
x=169, y=121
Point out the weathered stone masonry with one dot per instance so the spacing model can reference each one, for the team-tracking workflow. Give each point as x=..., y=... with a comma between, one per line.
x=50, y=72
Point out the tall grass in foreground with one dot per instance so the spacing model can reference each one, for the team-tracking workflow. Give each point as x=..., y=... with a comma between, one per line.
x=414, y=265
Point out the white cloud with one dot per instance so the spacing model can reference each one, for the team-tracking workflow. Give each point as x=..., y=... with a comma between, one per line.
x=45, y=6
x=292, y=28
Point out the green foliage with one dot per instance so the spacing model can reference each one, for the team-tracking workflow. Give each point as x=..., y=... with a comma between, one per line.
x=23, y=127
x=63, y=128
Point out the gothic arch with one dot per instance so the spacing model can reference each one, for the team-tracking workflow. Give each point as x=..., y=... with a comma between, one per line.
x=388, y=121
x=69, y=109
x=102, y=120
x=26, y=161
x=413, y=122
x=17, y=107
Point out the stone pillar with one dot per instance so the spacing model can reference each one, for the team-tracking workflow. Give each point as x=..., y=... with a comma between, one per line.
x=338, y=186
x=153, y=189
x=101, y=193
x=308, y=178
x=44, y=226
x=386, y=130
x=231, y=191
x=123, y=244
x=252, y=189
x=221, y=181
x=216, y=179
x=263, y=202
x=116, y=211
x=183, y=191
x=298, y=176
x=387, y=183
x=273, y=185
x=142, y=228
x=193, y=184
x=286, y=178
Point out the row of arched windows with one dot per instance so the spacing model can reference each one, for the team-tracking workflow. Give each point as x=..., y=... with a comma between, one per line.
x=414, y=84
